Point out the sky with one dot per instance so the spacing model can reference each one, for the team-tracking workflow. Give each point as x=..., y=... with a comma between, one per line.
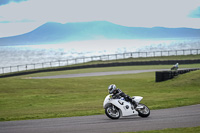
x=22, y=16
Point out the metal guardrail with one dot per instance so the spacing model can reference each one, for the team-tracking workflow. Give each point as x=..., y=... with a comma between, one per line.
x=59, y=63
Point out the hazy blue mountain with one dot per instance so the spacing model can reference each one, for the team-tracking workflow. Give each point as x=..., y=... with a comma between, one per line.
x=57, y=33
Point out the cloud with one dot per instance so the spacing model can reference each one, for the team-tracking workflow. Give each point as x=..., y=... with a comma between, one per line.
x=4, y=21
x=195, y=13
x=20, y=21
x=4, y=2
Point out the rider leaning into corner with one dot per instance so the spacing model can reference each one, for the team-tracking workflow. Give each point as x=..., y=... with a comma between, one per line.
x=117, y=93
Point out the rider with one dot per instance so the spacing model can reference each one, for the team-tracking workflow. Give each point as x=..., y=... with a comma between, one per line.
x=117, y=93
x=175, y=67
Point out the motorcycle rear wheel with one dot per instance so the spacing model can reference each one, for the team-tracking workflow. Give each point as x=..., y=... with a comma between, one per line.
x=112, y=112
x=144, y=112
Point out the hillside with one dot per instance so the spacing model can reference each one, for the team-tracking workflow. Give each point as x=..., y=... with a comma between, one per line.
x=58, y=33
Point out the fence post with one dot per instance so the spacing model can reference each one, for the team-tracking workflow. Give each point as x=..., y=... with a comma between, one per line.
x=59, y=62
x=83, y=59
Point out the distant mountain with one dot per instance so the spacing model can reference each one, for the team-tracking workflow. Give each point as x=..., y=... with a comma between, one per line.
x=58, y=33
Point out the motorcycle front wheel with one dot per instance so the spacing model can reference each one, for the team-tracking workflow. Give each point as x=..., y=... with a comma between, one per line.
x=144, y=112
x=112, y=112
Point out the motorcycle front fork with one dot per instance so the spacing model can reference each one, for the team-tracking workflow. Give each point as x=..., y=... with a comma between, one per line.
x=113, y=107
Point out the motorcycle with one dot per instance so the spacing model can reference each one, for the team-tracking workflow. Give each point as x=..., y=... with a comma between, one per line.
x=115, y=108
x=175, y=67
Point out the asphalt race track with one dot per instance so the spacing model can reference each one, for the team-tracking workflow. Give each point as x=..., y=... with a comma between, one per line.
x=187, y=116
x=98, y=74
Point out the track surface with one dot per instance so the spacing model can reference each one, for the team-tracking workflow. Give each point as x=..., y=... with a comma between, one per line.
x=188, y=116
x=99, y=74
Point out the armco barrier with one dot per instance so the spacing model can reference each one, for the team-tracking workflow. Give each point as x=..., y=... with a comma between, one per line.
x=166, y=75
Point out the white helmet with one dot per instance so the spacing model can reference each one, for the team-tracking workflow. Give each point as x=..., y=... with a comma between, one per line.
x=111, y=88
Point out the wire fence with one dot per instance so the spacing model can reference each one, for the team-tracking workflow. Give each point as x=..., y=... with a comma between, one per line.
x=66, y=62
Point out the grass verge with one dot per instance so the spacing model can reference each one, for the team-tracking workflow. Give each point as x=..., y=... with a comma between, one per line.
x=49, y=98
x=172, y=130
x=157, y=58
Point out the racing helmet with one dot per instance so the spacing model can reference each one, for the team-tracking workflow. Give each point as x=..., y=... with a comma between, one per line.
x=112, y=88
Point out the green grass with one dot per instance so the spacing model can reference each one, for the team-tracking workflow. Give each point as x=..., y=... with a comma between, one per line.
x=49, y=98
x=173, y=130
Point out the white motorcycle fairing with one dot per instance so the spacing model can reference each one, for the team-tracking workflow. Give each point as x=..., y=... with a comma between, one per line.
x=125, y=107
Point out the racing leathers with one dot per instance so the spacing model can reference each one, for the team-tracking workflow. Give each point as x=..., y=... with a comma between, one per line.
x=118, y=94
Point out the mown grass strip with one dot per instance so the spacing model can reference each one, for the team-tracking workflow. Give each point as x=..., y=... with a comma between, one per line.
x=108, y=69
